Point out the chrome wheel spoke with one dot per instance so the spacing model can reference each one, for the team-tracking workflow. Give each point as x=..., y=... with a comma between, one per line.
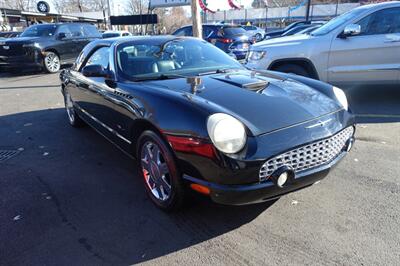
x=165, y=185
x=155, y=171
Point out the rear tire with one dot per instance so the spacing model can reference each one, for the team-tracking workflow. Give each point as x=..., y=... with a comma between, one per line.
x=162, y=178
x=293, y=69
x=73, y=118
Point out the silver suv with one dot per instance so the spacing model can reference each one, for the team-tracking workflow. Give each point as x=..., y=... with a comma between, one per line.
x=361, y=46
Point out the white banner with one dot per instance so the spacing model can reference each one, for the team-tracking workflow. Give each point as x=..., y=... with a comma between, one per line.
x=169, y=3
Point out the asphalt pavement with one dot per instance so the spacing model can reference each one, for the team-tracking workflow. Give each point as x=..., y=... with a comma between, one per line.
x=69, y=197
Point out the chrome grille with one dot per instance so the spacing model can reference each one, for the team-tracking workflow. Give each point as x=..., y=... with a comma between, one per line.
x=308, y=156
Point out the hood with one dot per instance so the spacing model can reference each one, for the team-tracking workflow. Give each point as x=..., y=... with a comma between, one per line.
x=22, y=40
x=263, y=102
x=288, y=40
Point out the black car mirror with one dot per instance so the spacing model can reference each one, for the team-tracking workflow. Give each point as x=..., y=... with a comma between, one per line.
x=95, y=71
x=61, y=36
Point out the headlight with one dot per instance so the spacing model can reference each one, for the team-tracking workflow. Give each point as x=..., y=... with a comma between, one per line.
x=341, y=97
x=34, y=44
x=226, y=132
x=256, y=55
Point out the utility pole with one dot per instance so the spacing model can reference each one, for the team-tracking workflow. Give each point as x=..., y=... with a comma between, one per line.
x=196, y=19
x=308, y=10
x=109, y=14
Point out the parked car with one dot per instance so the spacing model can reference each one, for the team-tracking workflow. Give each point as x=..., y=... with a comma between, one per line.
x=232, y=39
x=257, y=32
x=47, y=46
x=359, y=47
x=197, y=119
x=278, y=33
x=113, y=34
x=308, y=30
x=299, y=28
x=9, y=34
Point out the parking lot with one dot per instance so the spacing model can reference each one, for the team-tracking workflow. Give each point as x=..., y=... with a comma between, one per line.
x=69, y=197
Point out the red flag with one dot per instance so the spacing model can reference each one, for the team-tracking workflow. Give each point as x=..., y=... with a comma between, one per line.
x=204, y=8
x=232, y=4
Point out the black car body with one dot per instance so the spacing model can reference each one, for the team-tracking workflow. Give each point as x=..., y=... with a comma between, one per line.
x=228, y=37
x=279, y=132
x=298, y=25
x=46, y=46
x=300, y=28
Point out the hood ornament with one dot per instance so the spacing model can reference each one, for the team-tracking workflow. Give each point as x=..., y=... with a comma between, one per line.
x=195, y=83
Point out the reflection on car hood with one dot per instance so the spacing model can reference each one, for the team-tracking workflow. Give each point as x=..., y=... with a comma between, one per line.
x=288, y=40
x=262, y=101
x=19, y=40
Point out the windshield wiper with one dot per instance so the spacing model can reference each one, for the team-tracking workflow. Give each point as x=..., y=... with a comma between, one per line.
x=218, y=71
x=160, y=77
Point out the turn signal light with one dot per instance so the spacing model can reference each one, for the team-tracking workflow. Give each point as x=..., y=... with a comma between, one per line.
x=192, y=145
x=201, y=189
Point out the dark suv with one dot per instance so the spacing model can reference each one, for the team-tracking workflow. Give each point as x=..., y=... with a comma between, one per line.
x=47, y=46
x=229, y=38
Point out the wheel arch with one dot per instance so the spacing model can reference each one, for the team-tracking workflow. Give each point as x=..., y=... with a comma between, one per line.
x=302, y=62
x=137, y=128
x=52, y=49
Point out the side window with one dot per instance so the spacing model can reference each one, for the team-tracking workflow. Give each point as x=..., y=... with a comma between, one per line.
x=91, y=31
x=125, y=34
x=99, y=57
x=381, y=22
x=76, y=30
x=65, y=29
x=180, y=32
x=207, y=32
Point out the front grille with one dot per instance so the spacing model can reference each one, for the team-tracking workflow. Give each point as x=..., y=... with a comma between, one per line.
x=13, y=50
x=308, y=156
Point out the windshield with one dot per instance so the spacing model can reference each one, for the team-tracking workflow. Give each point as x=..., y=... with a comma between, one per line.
x=110, y=35
x=176, y=57
x=39, y=31
x=338, y=21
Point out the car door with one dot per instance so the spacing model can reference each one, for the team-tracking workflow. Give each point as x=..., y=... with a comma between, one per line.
x=93, y=96
x=79, y=38
x=64, y=46
x=373, y=56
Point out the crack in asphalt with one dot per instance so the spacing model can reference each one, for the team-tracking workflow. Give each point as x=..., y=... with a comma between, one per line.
x=82, y=240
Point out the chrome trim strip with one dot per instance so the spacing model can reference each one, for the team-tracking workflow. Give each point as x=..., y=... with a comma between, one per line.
x=104, y=125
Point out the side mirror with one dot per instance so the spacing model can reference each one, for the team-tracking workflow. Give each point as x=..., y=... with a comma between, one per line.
x=61, y=36
x=95, y=71
x=351, y=30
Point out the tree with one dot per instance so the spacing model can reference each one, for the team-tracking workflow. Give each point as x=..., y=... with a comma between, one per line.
x=258, y=4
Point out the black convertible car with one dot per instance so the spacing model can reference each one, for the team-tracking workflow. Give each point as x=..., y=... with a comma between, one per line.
x=197, y=119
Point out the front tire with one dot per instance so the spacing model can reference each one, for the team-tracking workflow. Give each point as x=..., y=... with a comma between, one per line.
x=161, y=177
x=51, y=62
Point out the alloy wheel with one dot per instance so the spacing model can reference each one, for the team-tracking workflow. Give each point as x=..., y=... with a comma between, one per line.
x=52, y=62
x=155, y=171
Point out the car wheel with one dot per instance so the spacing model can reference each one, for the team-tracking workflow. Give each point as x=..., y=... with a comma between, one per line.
x=161, y=177
x=51, y=62
x=73, y=117
x=258, y=37
x=293, y=69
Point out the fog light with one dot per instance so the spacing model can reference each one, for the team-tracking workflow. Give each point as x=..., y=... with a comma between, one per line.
x=282, y=179
x=282, y=176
